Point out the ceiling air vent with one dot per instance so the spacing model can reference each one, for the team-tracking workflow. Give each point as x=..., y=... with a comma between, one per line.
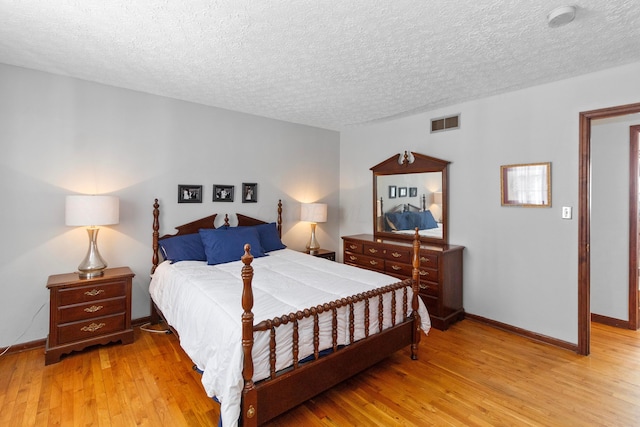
x=445, y=123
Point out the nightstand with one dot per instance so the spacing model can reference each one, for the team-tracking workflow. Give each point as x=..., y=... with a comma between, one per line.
x=85, y=312
x=323, y=253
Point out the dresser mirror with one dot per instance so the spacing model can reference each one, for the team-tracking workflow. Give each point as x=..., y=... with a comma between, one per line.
x=409, y=191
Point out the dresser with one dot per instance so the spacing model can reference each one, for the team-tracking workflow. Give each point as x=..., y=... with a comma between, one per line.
x=85, y=312
x=440, y=271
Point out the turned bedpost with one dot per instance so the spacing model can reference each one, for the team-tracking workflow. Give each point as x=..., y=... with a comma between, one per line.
x=414, y=300
x=279, y=223
x=249, y=393
x=156, y=235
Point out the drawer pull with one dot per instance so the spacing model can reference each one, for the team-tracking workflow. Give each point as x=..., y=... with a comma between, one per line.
x=373, y=250
x=93, y=327
x=353, y=258
x=353, y=247
x=423, y=259
x=396, y=267
x=93, y=308
x=424, y=286
x=396, y=255
x=424, y=273
x=94, y=292
x=373, y=262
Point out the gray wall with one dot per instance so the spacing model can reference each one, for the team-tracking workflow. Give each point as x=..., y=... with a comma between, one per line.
x=520, y=264
x=62, y=136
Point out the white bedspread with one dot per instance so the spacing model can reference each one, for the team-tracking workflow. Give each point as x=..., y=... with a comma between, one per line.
x=203, y=303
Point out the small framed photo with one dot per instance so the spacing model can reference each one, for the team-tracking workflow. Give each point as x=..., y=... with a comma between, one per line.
x=402, y=191
x=189, y=193
x=393, y=191
x=249, y=193
x=223, y=193
x=413, y=191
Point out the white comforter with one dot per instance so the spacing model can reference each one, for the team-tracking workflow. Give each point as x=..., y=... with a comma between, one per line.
x=203, y=303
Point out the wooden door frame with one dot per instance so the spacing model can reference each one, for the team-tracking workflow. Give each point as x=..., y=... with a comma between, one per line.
x=584, y=218
x=634, y=175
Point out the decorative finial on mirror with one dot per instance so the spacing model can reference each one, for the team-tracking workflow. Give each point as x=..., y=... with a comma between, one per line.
x=407, y=159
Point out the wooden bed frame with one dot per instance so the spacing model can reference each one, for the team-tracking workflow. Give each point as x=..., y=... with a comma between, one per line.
x=275, y=395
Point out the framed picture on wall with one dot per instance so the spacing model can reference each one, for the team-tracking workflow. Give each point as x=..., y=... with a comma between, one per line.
x=402, y=191
x=189, y=193
x=223, y=193
x=413, y=191
x=249, y=192
x=526, y=185
x=393, y=191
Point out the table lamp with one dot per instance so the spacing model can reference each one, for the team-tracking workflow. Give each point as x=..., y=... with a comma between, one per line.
x=313, y=213
x=92, y=211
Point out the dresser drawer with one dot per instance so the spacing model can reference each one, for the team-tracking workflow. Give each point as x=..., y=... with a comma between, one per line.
x=373, y=250
x=91, y=328
x=398, y=255
x=398, y=268
x=430, y=302
x=353, y=247
x=428, y=260
x=429, y=288
x=96, y=292
x=90, y=310
x=428, y=274
x=364, y=261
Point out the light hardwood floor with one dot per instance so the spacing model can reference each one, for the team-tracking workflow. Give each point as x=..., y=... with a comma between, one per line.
x=471, y=375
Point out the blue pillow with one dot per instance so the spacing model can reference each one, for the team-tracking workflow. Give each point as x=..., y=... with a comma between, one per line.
x=222, y=246
x=407, y=220
x=427, y=220
x=269, y=237
x=187, y=247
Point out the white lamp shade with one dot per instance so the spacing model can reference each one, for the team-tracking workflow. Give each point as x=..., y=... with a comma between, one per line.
x=92, y=210
x=313, y=212
x=437, y=197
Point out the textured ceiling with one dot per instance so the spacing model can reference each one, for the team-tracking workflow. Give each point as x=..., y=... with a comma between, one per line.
x=329, y=64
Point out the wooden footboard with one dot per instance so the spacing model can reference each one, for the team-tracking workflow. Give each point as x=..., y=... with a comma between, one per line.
x=280, y=392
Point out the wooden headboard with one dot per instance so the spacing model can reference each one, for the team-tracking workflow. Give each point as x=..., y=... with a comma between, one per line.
x=206, y=222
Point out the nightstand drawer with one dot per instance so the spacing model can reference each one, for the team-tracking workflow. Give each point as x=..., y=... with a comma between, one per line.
x=96, y=292
x=77, y=331
x=90, y=310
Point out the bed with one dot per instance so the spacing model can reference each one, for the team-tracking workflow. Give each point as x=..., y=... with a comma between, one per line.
x=314, y=323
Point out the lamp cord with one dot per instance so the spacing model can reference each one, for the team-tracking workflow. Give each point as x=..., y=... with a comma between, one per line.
x=25, y=331
x=145, y=327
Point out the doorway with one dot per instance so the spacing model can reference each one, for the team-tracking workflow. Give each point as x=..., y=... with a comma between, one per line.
x=584, y=224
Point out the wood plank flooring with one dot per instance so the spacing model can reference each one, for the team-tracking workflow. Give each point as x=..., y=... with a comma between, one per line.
x=471, y=375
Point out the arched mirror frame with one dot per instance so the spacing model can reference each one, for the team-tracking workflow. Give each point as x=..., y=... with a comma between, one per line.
x=409, y=163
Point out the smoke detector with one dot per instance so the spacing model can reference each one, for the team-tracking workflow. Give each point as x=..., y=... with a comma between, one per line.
x=561, y=16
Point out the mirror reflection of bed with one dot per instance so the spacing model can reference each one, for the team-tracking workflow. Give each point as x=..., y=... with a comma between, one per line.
x=400, y=212
x=404, y=218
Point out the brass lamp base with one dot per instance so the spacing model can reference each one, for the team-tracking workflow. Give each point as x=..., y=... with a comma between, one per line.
x=313, y=246
x=92, y=265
